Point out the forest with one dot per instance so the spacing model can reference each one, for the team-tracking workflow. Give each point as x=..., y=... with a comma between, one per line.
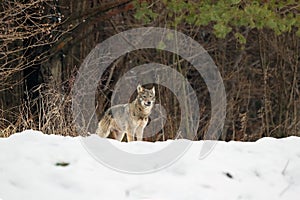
x=254, y=44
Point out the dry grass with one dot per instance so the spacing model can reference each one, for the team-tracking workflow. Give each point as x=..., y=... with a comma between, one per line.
x=50, y=113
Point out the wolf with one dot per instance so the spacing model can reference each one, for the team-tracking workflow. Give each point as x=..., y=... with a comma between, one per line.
x=130, y=118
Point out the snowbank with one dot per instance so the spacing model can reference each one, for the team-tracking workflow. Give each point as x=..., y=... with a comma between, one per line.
x=34, y=166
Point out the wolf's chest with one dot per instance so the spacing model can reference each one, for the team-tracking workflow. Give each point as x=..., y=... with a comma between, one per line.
x=140, y=121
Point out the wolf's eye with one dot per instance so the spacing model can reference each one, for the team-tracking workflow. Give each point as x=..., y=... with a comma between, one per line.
x=144, y=96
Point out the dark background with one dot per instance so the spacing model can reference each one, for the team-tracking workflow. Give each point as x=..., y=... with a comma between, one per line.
x=43, y=43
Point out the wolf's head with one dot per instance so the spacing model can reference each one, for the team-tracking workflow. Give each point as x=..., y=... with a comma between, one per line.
x=146, y=98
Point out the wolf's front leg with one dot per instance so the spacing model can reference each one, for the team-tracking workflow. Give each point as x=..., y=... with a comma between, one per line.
x=130, y=132
x=139, y=133
x=120, y=136
x=130, y=137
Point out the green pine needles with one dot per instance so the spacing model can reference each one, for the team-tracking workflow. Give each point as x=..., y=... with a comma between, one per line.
x=225, y=16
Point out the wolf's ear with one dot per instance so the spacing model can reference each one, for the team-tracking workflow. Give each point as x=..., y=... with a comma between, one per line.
x=153, y=90
x=140, y=88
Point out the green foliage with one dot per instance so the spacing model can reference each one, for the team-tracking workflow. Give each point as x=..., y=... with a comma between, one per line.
x=144, y=12
x=161, y=45
x=240, y=38
x=228, y=16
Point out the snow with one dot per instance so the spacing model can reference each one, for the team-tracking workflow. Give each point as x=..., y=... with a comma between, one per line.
x=266, y=169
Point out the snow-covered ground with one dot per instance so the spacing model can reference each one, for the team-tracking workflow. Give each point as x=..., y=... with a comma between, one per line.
x=30, y=170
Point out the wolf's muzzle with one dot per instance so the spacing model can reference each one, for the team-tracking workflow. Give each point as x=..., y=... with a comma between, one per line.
x=148, y=103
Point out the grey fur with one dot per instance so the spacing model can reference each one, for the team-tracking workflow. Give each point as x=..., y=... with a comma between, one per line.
x=129, y=119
